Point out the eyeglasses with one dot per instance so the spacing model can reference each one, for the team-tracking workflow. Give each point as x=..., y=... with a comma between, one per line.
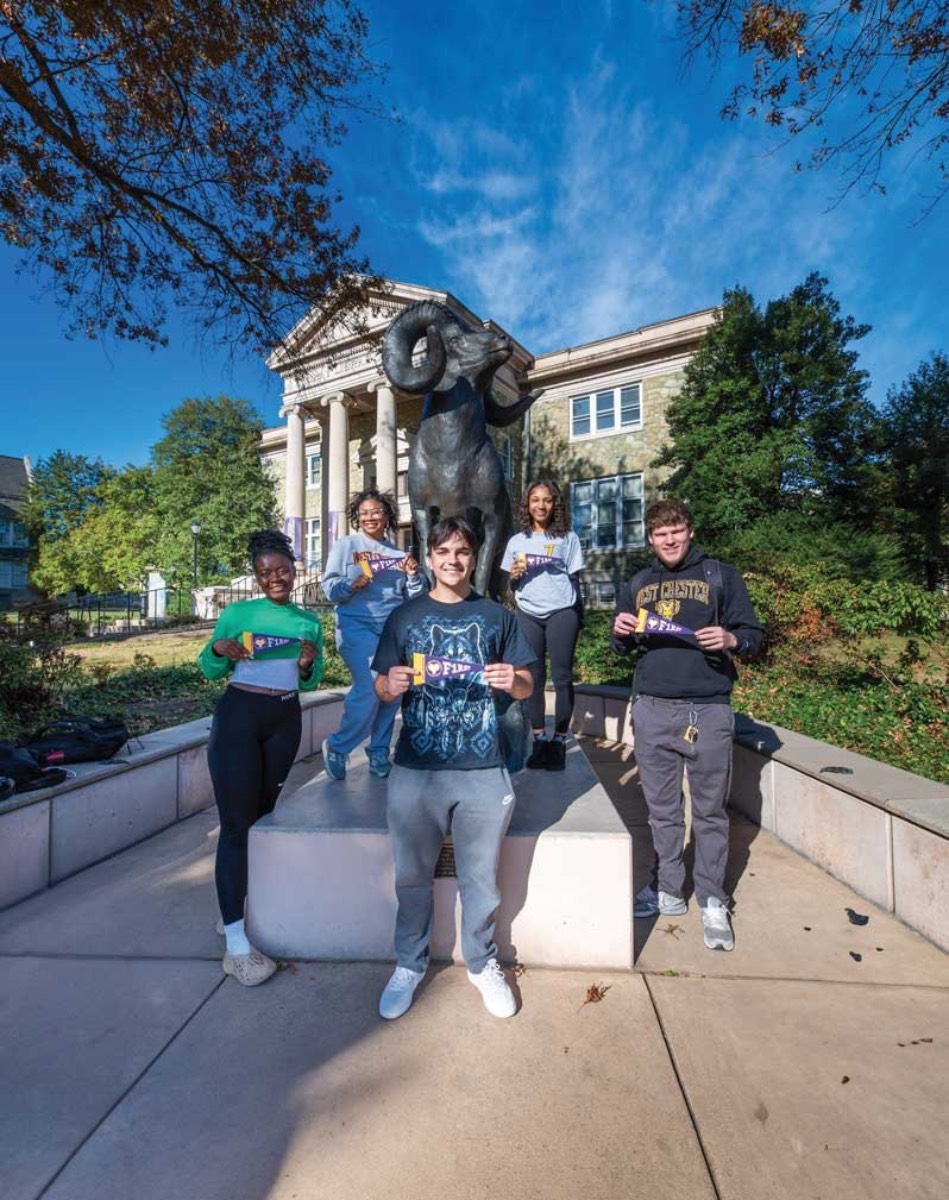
x=276, y=573
x=372, y=512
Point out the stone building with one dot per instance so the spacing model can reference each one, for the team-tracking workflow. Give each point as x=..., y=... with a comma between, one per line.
x=14, y=542
x=596, y=429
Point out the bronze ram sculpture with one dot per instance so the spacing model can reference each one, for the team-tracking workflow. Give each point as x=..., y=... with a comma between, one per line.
x=454, y=468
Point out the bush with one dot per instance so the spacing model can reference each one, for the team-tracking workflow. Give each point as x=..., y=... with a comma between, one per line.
x=37, y=672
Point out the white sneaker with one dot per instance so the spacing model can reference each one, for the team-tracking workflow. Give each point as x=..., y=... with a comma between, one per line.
x=497, y=996
x=718, y=929
x=396, y=999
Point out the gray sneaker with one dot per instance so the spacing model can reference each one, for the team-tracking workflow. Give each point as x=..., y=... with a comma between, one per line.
x=396, y=999
x=334, y=763
x=651, y=903
x=717, y=926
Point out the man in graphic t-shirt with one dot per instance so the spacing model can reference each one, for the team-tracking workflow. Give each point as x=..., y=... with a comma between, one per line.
x=455, y=658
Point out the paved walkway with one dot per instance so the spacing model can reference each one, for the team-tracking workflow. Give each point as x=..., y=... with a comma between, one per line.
x=813, y=1062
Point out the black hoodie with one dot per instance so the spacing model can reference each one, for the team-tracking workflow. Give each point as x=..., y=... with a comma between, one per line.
x=675, y=667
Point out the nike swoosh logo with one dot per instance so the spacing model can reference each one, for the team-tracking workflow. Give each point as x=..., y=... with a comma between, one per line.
x=507, y=800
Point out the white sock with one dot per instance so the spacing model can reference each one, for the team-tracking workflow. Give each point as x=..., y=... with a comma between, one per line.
x=237, y=942
x=540, y=736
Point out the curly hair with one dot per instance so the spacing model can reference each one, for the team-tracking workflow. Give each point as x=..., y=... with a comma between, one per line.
x=559, y=522
x=668, y=512
x=269, y=541
x=385, y=500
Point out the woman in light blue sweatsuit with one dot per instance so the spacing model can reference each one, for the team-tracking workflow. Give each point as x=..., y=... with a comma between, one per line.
x=366, y=577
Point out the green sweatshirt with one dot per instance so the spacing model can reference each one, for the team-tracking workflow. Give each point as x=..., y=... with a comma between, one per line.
x=263, y=616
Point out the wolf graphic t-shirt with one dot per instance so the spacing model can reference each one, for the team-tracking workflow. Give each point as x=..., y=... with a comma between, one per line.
x=450, y=713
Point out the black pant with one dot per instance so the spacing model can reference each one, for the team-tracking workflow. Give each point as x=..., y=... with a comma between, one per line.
x=254, y=740
x=555, y=635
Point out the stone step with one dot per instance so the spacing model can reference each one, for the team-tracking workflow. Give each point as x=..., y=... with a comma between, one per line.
x=321, y=876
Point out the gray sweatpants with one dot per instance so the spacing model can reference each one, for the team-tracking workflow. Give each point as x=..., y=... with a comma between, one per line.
x=662, y=753
x=422, y=807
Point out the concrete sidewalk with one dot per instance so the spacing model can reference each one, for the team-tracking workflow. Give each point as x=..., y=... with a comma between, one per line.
x=789, y=1068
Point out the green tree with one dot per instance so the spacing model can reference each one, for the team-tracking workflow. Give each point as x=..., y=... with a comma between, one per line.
x=773, y=416
x=208, y=471
x=113, y=547
x=63, y=489
x=882, y=69
x=916, y=419
x=174, y=154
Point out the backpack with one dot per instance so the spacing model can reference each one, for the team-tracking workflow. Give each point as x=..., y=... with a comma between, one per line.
x=76, y=739
x=19, y=766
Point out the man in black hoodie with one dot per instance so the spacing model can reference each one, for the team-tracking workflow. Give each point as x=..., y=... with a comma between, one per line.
x=682, y=712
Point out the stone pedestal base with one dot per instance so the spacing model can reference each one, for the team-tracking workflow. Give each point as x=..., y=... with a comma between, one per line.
x=321, y=878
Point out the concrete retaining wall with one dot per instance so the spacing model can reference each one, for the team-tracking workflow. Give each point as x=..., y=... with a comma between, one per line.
x=159, y=779
x=882, y=831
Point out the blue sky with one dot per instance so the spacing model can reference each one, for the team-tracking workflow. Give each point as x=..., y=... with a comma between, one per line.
x=557, y=170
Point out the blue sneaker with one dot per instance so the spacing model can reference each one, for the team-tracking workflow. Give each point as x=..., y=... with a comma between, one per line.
x=334, y=763
x=652, y=903
x=379, y=764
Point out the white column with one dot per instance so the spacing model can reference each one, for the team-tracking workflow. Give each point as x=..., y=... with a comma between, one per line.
x=295, y=506
x=386, y=448
x=336, y=465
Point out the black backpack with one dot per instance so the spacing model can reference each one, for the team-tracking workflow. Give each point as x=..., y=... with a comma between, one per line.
x=76, y=739
x=19, y=765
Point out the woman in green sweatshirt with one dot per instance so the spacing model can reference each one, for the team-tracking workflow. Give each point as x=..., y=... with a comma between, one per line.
x=271, y=649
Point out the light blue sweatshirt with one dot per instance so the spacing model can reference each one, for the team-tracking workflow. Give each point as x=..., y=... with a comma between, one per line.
x=384, y=592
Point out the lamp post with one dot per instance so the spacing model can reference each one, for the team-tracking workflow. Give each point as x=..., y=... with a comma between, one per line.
x=195, y=530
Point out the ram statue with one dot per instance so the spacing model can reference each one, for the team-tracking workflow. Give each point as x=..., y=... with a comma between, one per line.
x=454, y=467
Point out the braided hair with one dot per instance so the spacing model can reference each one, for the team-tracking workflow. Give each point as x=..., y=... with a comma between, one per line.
x=269, y=541
x=385, y=500
x=559, y=522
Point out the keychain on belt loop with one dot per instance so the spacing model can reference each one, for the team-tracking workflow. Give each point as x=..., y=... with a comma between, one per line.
x=691, y=734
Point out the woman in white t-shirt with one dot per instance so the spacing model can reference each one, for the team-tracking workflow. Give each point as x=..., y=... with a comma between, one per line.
x=544, y=561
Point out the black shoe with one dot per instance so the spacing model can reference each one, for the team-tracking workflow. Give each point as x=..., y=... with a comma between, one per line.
x=556, y=755
x=539, y=755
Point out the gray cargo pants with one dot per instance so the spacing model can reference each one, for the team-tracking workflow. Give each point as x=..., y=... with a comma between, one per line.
x=662, y=753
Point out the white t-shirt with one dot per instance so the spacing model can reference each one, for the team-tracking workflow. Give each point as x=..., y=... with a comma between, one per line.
x=551, y=561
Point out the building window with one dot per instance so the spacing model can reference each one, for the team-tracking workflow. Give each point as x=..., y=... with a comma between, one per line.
x=314, y=470
x=506, y=452
x=608, y=513
x=402, y=485
x=313, y=543
x=606, y=412
x=12, y=533
x=13, y=574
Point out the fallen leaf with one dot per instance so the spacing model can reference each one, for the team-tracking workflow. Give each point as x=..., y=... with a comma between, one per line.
x=519, y=969
x=807, y=928
x=855, y=956
x=673, y=930
x=595, y=993
x=856, y=918
x=846, y=1079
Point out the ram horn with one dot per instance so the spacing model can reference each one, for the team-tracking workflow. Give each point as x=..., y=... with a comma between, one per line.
x=418, y=320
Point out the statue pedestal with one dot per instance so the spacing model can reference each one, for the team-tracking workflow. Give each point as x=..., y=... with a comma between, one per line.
x=321, y=878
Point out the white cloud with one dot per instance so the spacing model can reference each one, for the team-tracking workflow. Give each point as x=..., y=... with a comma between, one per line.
x=614, y=211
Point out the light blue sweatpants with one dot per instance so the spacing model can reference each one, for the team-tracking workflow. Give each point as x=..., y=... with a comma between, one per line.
x=363, y=714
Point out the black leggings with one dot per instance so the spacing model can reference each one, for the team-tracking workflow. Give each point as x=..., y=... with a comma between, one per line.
x=555, y=635
x=254, y=740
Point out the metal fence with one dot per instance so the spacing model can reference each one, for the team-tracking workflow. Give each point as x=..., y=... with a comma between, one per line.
x=112, y=613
